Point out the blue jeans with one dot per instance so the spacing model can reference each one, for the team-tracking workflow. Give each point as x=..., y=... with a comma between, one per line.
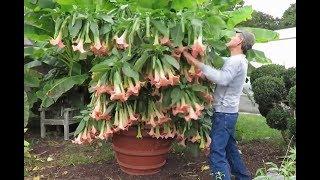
x=224, y=155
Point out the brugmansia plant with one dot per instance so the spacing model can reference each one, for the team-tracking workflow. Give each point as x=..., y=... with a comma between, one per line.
x=139, y=77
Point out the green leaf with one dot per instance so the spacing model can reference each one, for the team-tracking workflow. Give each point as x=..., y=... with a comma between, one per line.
x=199, y=88
x=181, y=4
x=140, y=62
x=34, y=52
x=128, y=71
x=74, y=30
x=63, y=85
x=66, y=5
x=166, y=98
x=94, y=28
x=228, y=33
x=239, y=15
x=217, y=62
x=160, y=4
x=106, y=28
x=104, y=65
x=257, y=56
x=160, y=26
x=76, y=69
x=80, y=127
x=36, y=34
x=175, y=95
x=32, y=98
x=200, y=2
x=146, y=3
x=196, y=22
x=32, y=64
x=177, y=35
x=53, y=90
x=46, y=4
x=40, y=20
x=31, y=78
x=107, y=18
x=263, y=35
x=171, y=61
x=216, y=21
x=26, y=109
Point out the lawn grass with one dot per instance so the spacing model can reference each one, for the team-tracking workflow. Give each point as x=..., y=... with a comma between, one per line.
x=254, y=127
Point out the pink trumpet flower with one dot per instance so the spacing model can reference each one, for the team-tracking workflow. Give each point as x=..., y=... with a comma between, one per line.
x=93, y=130
x=58, y=41
x=192, y=115
x=165, y=41
x=152, y=121
x=173, y=80
x=151, y=132
x=79, y=47
x=208, y=97
x=207, y=145
x=102, y=51
x=103, y=89
x=89, y=139
x=157, y=133
x=169, y=134
x=181, y=139
x=187, y=75
x=198, y=109
x=118, y=93
x=78, y=139
x=196, y=138
x=198, y=48
x=181, y=107
x=97, y=45
x=108, y=132
x=121, y=41
x=182, y=142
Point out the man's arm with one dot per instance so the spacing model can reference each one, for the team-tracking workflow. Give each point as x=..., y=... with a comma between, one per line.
x=221, y=77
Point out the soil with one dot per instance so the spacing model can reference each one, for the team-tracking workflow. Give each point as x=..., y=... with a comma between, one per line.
x=178, y=166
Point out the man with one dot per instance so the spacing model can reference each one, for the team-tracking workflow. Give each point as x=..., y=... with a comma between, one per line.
x=224, y=154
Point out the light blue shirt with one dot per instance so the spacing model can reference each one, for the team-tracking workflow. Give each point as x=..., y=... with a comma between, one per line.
x=229, y=82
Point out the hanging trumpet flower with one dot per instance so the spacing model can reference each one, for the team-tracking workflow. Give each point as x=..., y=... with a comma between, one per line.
x=121, y=41
x=198, y=48
x=58, y=41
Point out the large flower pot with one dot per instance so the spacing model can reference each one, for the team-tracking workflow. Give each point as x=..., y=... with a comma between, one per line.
x=143, y=156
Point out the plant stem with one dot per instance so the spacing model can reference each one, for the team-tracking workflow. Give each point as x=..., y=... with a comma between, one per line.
x=287, y=151
x=284, y=136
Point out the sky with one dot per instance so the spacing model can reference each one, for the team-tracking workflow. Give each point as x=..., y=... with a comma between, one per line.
x=273, y=7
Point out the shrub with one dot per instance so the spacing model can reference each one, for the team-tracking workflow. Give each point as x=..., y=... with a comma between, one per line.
x=277, y=118
x=292, y=127
x=273, y=70
x=268, y=90
x=264, y=108
x=292, y=97
x=289, y=78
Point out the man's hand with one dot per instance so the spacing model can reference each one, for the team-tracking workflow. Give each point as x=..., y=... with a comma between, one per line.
x=191, y=60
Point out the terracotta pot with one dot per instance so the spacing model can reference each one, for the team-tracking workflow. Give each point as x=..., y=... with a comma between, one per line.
x=143, y=156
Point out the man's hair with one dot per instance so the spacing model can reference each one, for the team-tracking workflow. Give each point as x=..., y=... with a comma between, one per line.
x=244, y=46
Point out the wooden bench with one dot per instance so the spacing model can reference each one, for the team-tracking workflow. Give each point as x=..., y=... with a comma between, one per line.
x=65, y=119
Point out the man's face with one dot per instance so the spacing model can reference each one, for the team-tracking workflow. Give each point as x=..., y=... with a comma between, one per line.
x=235, y=41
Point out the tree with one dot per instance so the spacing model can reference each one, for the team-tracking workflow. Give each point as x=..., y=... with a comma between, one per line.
x=261, y=20
x=288, y=19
